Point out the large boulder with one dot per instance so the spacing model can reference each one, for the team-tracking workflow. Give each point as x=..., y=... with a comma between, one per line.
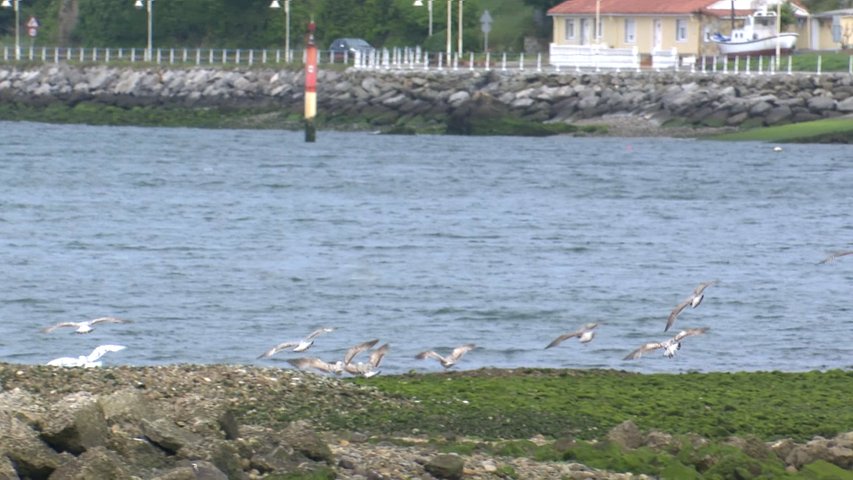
x=21, y=445
x=626, y=435
x=97, y=462
x=446, y=466
x=75, y=424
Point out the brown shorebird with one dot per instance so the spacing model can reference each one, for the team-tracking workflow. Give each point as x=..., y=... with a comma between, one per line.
x=584, y=334
x=370, y=368
x=85, y=326
x=337, y=367
x=692, y=301
x=449, y=360
x=669, y=346
x=835, y=255
x=298, y=345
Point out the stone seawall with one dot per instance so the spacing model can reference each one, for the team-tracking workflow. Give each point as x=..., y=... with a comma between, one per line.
x=386, y=98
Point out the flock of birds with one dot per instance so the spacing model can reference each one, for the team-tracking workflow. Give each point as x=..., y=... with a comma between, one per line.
x=370, y=368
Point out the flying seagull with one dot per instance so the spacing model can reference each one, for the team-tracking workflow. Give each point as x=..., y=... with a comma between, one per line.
x=835, y=255
x=87, y=361
x=585, y=333
x=314, y=362
x=449, y=360
x=669, y=346
x=368, y=369
x=299, y=345
x=86, y=326
x=337, y=367
x=692, y=301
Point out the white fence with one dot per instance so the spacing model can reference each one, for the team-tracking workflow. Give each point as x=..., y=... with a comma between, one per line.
x=193, y=56
x=561, y=56
x=594, y=56
x=662, y=59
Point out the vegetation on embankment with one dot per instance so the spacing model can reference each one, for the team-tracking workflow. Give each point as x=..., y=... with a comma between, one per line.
x=586, y=404
x=245, y=419
x=265, y=118
x=832, y=130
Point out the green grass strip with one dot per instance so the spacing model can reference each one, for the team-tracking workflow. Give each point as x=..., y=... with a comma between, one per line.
x=834, y=129
x=586, y=404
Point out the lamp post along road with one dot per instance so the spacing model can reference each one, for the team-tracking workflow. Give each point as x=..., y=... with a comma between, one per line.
x=149, y=7
x=597, y=21
x=276, y=5
x=459, y=32
x=17, y=6
x=449, y=28
x=778, y=30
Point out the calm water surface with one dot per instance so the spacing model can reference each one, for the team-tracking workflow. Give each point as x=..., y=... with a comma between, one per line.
x=219, y=244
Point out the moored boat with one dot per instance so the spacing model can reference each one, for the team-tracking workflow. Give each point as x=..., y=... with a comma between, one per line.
x=757, y=37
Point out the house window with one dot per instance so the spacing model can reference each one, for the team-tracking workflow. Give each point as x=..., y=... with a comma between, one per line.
x=681, y=30
x=630, y=30
x=599, y=33
x=570, y=29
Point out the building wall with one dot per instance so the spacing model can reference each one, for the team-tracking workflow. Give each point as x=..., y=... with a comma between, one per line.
x=613, y=32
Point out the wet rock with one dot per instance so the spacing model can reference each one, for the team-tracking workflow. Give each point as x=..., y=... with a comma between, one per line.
x=97, y=462
x=168, y=436
x=75, y=424
x=21, y=445
x=446, y=466
x=228, y=423
x=658, y=440
x=7, y=470
x=127, y=405
x=626, y=435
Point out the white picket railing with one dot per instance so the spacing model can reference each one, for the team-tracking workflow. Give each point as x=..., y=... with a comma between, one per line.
x=560, y=57
x=594, y=56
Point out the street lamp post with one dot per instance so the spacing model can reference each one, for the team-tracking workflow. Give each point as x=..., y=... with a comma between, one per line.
x=459, y=31
x=420, y=3
x=149, y=7
x=276, y=5
x=449, y=29
x=16, y=5
x=597, y=21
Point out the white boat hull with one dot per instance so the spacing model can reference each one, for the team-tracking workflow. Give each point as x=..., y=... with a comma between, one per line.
x=761, y=46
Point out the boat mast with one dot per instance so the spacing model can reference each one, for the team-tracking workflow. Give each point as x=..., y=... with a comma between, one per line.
x=733, y=16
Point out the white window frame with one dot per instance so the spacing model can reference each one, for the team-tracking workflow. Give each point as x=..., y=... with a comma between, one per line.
x=569, y=29
x=681, y=30
x=630, y=30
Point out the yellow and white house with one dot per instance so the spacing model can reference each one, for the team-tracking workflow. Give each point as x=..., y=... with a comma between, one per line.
x=657, y=25
x=831, y=30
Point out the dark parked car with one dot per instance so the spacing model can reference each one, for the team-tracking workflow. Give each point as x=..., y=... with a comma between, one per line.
x=349, y=46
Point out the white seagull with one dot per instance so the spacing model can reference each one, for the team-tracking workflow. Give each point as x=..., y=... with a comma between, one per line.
x=835, y=255
x=339, y=366
x=670, y=346
x=585, y=334
x=299, y=345
x=86, y=326
x=86, y=361
x=449, y=360
x=692, y=301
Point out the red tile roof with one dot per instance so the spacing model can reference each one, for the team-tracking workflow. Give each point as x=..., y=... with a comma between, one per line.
x=630, y=6
x=648, y=7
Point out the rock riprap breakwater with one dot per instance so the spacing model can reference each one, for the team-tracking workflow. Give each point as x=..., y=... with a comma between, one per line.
x=380, y=97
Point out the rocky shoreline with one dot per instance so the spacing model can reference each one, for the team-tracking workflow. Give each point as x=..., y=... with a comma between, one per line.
x=424, y=100
x=192, y=421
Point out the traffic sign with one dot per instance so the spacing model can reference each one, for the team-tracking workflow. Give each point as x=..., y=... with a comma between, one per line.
x=33, y=22
x=486, y=22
